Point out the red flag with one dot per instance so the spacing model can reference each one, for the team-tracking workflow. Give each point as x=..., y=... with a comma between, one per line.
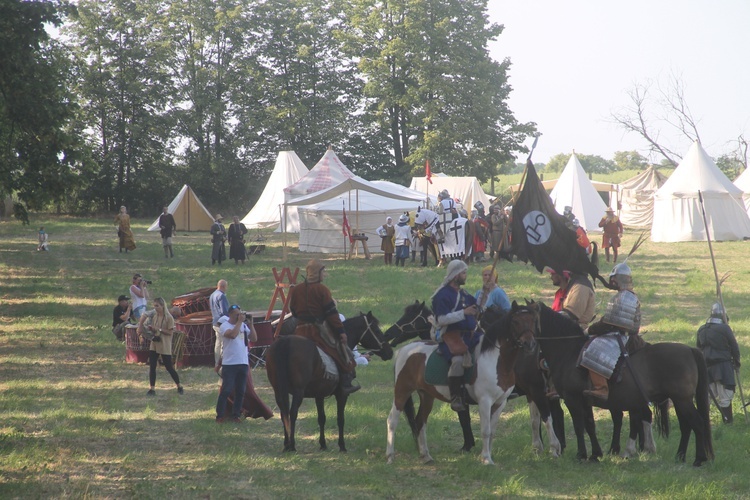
x=427, y=172
x=345, y=228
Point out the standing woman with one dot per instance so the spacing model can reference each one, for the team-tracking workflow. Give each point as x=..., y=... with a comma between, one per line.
x=218, y=237
x=161, y=324
x=236, y=238
x=122, y=223
x=386, y=233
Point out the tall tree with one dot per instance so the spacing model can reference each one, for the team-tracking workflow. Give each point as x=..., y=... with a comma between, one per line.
x=432, y=84
x=37, y=152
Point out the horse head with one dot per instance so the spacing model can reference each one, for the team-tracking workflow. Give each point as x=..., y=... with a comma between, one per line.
x=371, y=337
x=519, y=326
x=413, y=323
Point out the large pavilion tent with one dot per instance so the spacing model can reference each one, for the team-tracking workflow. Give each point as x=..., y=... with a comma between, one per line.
x=267, y=210
x=677, y=207
x=743, y=182
x=466, y=189
x=634, y=200
x=188, y=212
x=367, y=204
x=574, y=189
x=328, y=172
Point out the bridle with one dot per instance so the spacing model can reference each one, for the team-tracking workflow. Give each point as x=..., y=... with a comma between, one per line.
x=411, y=323
x=369, y=330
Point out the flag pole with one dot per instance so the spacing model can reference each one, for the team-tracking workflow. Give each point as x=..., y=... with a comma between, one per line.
x=343, y=221
x=718, y=291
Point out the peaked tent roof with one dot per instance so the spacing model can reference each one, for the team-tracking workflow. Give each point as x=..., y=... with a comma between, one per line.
x=574, y=189
x=287, y=170
x=188, y=211
x=743, y=182
x=677, y=209
x=636, y=197
x=467, y=189
x=329, y=171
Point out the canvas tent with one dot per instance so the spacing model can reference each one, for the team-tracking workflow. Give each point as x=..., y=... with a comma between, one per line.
x=574, y=189
x=677, y=209
x=466, y=189
x=743, y=182
x=328, y=172
x=635, y=198
x=367, y=205
x=188, y=211
x=267, y=210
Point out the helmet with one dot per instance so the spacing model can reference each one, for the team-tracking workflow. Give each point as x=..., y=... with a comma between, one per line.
x=623, y=311
x=717, y=313
x=403, y=218
x=443, y=194
x=479, y=205
x=567, y=210
x=622, y=269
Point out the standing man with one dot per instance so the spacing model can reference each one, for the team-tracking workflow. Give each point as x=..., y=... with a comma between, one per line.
x=574, y=297
x=455, y=313
x=138, y=295
x=219, y=307
x=402, y=239
x=218, y=237
x=234, y=365
x=236, y=238
x=497, y=226
x=612, y=228
x=167, y=227
x=491, y=294
x=722, y=354
x=318, y=320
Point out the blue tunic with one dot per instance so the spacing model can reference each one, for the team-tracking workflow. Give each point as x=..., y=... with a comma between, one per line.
x=448, y=300
x=497, y=297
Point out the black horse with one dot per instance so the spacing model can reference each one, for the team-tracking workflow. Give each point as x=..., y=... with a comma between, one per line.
x=294, y=366
x=665, y=371
x=415, y=322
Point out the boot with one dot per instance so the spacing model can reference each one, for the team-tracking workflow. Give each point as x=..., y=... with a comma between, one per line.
x=345, y=381
x=600, y=390
x=171, y=253
x=726, y=414
x=413, y=255
x=454, y=386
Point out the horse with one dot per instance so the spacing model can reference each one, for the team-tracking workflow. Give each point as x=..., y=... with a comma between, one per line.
x=294, y=366
x=493, y=380
x=428, y=223
x=664, y=371
x=415, y=322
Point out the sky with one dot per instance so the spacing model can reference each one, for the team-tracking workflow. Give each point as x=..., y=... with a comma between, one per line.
x=574, y=62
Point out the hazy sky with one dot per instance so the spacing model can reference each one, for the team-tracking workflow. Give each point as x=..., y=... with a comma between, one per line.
x=574, y=61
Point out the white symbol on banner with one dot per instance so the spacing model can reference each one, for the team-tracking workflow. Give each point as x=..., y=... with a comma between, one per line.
x=538, y=227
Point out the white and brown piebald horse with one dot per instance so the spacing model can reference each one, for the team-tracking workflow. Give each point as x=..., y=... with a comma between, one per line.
x=493, y=380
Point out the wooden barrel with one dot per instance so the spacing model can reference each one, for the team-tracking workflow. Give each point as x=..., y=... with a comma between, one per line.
x=198, y=345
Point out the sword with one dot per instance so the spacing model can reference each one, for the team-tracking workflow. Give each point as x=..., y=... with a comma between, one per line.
x=626, y=356
x=713, y=398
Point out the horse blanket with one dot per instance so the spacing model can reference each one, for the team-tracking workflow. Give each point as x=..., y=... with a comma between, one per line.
x=454, y=244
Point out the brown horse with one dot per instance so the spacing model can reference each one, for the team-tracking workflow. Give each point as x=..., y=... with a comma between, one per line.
x=294, y=366
x=415, y=323
x=493, y=381
x=664, y=371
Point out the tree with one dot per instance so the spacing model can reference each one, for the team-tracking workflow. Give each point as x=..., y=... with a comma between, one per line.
x=592, y=164
x=629, y=160
x=37, y=152
x=432, y=85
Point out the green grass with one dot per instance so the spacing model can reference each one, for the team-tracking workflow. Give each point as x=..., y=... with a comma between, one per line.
x=75, y=420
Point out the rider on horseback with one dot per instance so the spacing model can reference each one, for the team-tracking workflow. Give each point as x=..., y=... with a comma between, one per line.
x=455, y=313
x=622, y=318
x=318, y=320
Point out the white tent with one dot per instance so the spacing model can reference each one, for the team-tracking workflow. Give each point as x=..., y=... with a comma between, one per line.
x=328, y=172
x=267, y=210
x=574, y=189
x=743, y=182
x=677, y=209
x=635, y=198
x=367, y=204
x=188, y=211
x=466, y=189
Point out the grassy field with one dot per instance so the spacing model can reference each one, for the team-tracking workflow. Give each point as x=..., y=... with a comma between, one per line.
x=75, y=420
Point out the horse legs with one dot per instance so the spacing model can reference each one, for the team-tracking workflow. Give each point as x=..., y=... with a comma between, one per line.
x=690, y=420
x=577, y=416
x=558, y=422
x=536, y=423
x=340, y=407
x=614, y=445
x=488, y=418
x=289, y=442
x=425, y=408
x=590, y=424
x=392, y=423
x=464, y=418
x=684, y=432
x=320, y=404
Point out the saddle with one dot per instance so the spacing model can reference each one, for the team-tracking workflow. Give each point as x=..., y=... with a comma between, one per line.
x=436, y=370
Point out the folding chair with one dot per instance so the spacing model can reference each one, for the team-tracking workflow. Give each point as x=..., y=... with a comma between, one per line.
x=257, y=349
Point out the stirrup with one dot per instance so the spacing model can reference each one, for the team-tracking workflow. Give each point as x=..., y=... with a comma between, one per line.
x=457, y=404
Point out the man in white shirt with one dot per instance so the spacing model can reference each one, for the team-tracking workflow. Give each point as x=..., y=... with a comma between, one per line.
x=234, y=366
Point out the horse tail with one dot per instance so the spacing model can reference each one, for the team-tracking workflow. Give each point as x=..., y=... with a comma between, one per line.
x=411, y=417
x=661, y=411
x=701, y=401
x=594, y=254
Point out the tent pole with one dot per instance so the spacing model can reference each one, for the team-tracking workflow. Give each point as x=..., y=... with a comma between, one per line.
x=283, y=231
